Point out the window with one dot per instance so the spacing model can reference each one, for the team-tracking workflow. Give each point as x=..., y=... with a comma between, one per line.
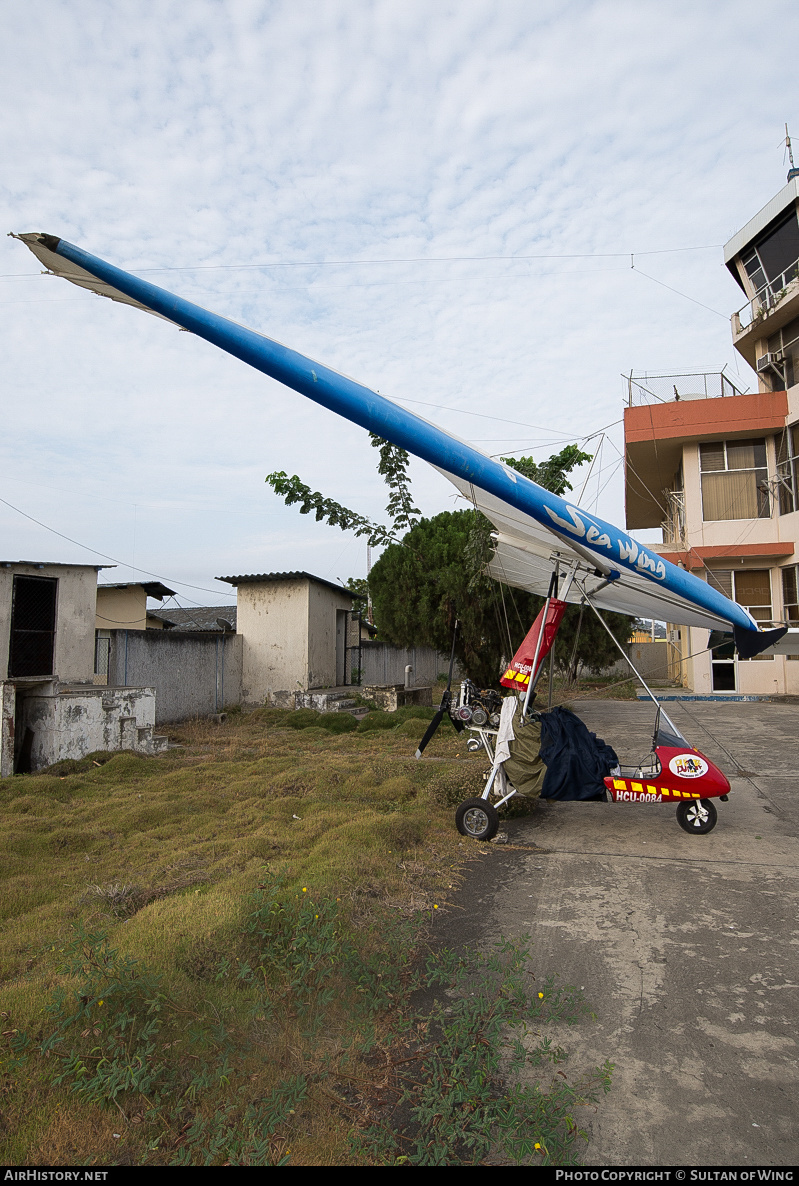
x=734, y=480
x=102, y=652
x=32, y=626
x=785, y=345
x=750, y=587
x=673, y=525
x=790, y=597
x=771, y=263
x=788, y=470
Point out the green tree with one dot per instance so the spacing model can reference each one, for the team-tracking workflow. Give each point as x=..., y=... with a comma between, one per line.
x=420, y=587
x=432, y=572
x=551, y=474
x=358, y=585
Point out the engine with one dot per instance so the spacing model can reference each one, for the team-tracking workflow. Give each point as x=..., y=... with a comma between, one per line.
x=479, y=707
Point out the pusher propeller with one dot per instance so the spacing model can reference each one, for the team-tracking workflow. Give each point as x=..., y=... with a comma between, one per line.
x=446, y=700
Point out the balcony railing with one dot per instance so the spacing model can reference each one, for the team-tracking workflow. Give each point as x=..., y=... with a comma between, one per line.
x=673, y=526
x=646, y=388
x=767, y=298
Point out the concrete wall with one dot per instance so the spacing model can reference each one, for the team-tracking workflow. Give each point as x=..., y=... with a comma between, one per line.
x=273, y=622
x=289, y=634
x=193, y=674
x=77, y=722
x=384, y=664
x=775, y=676
x=75, y=613
x=121, y=609
x=651, y=658
x=8, y=695
x=46, y=722
x=323, y=606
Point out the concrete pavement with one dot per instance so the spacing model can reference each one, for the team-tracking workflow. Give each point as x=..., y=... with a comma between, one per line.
x=686, y=946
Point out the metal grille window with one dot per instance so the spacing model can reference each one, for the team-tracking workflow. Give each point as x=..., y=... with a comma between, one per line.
x=788, y=470
x=32, y=626
x=784, y=346
x=734, y=480
x=790, y=597
x=674, y=524
x=102, y=653
x=353, y=663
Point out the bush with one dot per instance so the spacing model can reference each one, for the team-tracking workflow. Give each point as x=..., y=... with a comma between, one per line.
x=338, y=722
x=276, y=717
x=413, y=727
x=301, y=718
x=78, y=765
x=377, y=720
x=414, y=712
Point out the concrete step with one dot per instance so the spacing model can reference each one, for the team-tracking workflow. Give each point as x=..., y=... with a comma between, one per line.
x=327, y=699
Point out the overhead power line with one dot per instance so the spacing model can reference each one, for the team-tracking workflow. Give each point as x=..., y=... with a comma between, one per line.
x=412, y=259
x=104, y=555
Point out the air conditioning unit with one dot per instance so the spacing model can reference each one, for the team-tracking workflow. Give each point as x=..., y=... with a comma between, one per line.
x=768, y=360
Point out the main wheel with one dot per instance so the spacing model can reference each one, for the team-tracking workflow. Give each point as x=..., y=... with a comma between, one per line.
x=477, y=818
x=697, y=817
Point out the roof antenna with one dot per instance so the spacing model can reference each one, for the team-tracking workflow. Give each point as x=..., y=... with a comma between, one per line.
x=793, y=171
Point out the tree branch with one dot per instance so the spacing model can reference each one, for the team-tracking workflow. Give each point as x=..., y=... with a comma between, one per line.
x=293, y=490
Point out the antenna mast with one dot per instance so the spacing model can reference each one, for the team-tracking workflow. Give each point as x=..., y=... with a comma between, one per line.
x=793, y=171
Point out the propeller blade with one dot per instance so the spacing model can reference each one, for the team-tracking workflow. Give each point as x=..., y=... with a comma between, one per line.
x=431, y=728
x=446, y=700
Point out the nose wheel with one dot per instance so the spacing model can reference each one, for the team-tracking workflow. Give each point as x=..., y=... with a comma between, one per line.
x=478, y=819
x=697, y=817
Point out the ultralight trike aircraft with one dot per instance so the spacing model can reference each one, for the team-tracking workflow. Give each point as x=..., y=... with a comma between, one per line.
x=542, y=543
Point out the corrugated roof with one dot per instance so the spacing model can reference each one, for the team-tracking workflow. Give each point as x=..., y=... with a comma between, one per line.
x=202, y=618
x=151, y=588
x=267, y=577
x=51, y=564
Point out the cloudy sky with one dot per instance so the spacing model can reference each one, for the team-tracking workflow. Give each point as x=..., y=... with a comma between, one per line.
x=441, y=200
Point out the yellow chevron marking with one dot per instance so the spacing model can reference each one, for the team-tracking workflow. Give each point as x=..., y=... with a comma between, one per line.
x=619, y=784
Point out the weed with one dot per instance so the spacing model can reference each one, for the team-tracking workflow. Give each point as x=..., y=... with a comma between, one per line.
x=436, y=1083
x=204, y=1025
x=449, y=1069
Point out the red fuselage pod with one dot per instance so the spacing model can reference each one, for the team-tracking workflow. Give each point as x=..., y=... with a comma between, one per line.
x=684, y=774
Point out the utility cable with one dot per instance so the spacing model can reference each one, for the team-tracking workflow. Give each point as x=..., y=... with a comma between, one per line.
x=421, y=259
x=105, y=555
x=682, y=294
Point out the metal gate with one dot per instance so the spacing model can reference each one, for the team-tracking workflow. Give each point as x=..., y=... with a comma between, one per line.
x=353, y=660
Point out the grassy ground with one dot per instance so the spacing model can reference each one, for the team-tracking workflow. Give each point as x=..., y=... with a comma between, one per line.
x=590, y=687
x=205, y=956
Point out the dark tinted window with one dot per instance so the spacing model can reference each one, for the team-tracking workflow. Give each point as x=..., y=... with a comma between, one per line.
x=32, y=626
x=780, y=249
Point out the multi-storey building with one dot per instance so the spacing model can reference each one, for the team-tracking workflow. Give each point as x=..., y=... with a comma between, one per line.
x=717, y=469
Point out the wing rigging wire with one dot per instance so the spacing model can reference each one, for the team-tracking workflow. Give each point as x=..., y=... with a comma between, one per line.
x=499, y=622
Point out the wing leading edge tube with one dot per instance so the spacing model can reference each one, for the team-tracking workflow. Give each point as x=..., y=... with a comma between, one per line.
x=531, y=520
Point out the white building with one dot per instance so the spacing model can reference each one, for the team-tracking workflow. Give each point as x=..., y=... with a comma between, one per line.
x=718, y=469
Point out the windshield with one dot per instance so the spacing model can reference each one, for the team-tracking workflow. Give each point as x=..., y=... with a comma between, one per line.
x=667, y=733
